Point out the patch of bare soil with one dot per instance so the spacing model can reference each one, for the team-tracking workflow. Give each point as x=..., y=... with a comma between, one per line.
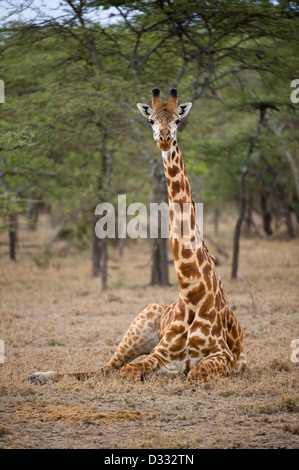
x=53, y=316
x=78, y=414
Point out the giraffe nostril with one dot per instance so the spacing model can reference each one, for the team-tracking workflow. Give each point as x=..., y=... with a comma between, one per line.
x=168, y=138
x=161, y=138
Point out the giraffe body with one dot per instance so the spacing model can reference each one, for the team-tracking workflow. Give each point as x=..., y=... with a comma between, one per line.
x=197, y=335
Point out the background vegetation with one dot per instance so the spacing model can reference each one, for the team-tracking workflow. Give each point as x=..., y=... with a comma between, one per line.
x=71, y=136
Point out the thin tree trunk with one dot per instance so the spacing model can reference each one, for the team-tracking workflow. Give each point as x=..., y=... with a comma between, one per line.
x=288, y=219
x=121, y=242
x=32, y=214
x=266, y=215
x=242, y=208
x=160, y=262
x=100, y=247
x=55, y=235
x=12, y=234
x=158, y=187
x=160, y=275
x=294, y=169
x=104, y=264
x=284, y=201
x=96, y=253
x=248, y=212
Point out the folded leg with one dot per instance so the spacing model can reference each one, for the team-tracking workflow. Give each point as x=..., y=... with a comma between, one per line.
x=141, y=338
x=218, y=365
x=162, y=357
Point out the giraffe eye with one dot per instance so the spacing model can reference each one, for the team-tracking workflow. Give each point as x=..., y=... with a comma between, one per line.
x=151, y=122
x=177, y=121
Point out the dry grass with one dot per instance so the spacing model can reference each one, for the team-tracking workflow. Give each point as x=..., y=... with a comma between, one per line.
x=77, y=414
x=54, y=316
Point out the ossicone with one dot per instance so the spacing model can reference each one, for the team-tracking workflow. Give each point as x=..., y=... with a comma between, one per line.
x=156, y=101
x=173, y=98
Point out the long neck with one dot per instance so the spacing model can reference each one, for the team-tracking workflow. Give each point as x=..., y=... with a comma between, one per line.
x=178, y=186
x=189, y=252
x=181, y=206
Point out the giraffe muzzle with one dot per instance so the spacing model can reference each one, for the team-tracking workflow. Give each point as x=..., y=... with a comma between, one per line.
x=164, y=142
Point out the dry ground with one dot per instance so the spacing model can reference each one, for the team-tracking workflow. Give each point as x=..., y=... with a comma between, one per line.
x=53, y=315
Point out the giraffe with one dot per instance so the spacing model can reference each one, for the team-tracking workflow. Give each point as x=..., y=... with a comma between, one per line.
x=198, y=334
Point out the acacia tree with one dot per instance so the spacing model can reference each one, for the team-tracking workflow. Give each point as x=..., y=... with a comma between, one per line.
x=13, y=184
x=215, y=43
x=210, y=50
x=244, y=172
x=70, y=110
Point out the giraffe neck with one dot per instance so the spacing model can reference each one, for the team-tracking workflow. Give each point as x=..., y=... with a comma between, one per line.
x=178, y=186
x=189, y=251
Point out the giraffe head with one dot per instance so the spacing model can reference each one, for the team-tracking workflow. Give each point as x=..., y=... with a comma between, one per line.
x=164, y=117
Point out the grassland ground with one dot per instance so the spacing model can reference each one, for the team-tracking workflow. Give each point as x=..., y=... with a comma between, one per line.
x=54, y=316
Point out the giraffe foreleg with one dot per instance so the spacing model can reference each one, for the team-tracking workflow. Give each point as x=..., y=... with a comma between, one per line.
x=138, y=370
x=218, y=365
x=141, y=338
x=54, y=376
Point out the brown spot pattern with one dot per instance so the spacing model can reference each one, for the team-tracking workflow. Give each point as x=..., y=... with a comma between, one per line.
x=188, y=269
x=195, y=295
x=173, y=171
x=175, y=188
x=209, y=327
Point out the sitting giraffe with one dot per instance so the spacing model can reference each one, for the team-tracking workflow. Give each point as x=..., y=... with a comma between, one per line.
x=198, y=334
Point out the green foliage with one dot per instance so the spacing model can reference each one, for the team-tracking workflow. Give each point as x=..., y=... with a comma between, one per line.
x=72, y=85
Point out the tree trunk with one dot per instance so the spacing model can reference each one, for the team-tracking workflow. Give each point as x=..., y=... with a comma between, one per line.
x=12, y=236
x=160, y=262
x=55, y=235
x=284, y=201
x=295, y=172
x=294, y=169
x=160, y=274
x=266, y=215
x=100, y=247
x=288, y=219
x=121, y=244
x=237, y=236
x=32, y=214
x=242, y=208
x=96, y=252
x=158, y=189
x=104, y=263
x=248, y=212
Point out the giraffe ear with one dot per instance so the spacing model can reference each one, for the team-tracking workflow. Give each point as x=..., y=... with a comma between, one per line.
x=184, y=109
x=144, y=109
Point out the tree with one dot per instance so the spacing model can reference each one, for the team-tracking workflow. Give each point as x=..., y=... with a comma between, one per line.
x=12, y=183
x=244, y=172
x=85, y=74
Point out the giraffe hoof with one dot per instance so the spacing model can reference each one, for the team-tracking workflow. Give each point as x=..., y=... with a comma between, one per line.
x=42, y=377
x=197, y=375
x=131, y=372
